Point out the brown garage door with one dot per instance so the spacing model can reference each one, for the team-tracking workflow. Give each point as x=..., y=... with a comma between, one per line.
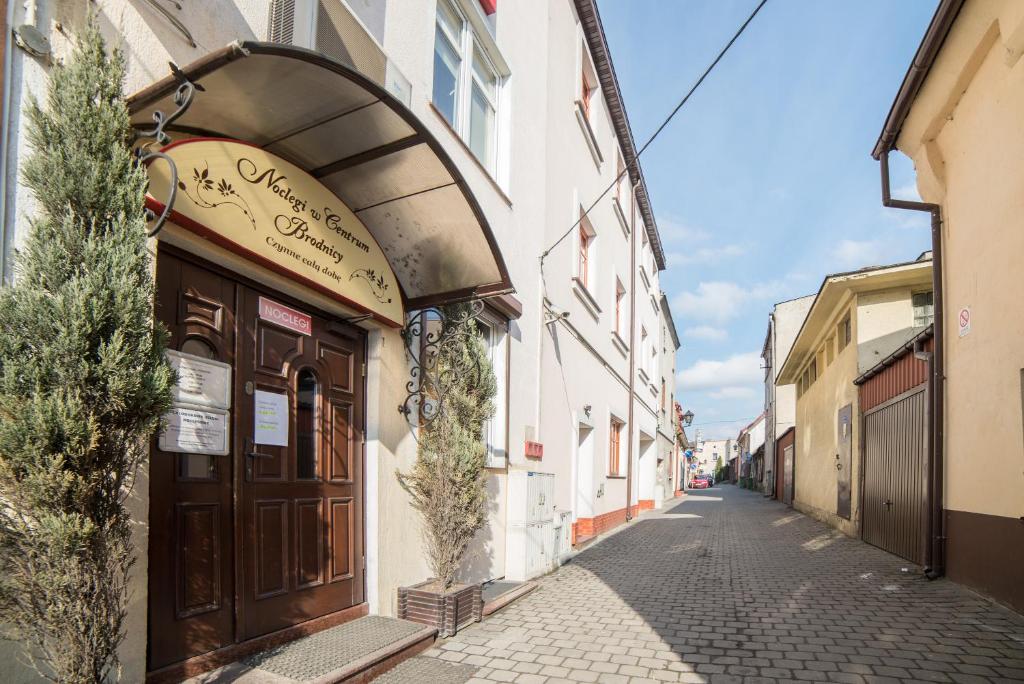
x=894, y=474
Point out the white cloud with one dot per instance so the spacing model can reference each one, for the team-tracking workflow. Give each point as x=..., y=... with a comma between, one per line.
x=906, y=219
x=707, y=255
x=717, y=302
x=907, y=192
x=734, y=393
x=675, y=230
x=705, y=332
x=739, y=370
x=851, y=254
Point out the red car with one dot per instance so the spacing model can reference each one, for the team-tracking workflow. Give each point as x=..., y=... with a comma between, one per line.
x=699, y=482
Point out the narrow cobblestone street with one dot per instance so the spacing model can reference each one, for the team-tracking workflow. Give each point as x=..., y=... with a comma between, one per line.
x=727, y=586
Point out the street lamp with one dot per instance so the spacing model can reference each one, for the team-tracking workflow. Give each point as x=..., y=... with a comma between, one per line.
x=687, y=418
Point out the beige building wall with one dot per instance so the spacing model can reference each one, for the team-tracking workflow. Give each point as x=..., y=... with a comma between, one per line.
x=817, y=440
x=879, y=303
x=966, y=138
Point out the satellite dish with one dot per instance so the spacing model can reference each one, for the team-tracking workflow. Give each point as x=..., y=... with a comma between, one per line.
x=31, y=40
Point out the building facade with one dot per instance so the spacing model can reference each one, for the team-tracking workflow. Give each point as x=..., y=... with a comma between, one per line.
x=856, y=320
x=669, y=428
x=451, y=143
x=956, y=117
x=784, y=322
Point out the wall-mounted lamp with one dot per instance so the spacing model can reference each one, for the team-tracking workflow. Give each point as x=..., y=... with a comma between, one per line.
x=587, y=408
x=687, y=418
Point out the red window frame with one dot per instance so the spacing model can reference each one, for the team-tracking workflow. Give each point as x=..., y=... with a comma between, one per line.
x=585, y=95
x=584, y=261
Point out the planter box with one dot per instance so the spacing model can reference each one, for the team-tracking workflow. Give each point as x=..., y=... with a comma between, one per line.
x=449, y=612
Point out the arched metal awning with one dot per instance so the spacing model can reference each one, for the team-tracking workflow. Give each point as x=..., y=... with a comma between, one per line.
x=361, y=143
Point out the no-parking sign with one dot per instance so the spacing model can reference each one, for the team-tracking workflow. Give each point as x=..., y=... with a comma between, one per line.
x=963, y=319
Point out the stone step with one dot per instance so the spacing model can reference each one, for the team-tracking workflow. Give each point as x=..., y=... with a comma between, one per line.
x=353, y=653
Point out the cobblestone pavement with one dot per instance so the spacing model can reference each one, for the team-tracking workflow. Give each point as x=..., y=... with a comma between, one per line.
x=727, y=586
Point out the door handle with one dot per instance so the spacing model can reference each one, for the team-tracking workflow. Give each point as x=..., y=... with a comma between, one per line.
x=250, y=456
x=251, y=452
x=887, y=503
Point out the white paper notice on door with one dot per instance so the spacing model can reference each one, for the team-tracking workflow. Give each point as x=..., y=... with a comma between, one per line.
x=270, y=418
x=195, y=431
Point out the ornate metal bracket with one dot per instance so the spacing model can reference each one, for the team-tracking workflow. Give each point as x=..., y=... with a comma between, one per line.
x=428, y=335
x=182, y=99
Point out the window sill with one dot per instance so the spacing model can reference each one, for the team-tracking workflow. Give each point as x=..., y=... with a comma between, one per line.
x=583, y=294
x=621, y=215
x=615, y=477
x=644, y=377
x=462, y=143
x=620, y=343
x=588, y=134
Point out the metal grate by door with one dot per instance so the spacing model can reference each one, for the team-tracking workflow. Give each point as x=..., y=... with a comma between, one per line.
x=281, y=27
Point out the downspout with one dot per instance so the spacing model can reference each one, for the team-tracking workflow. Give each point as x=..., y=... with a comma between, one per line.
x=632, y=348
x=935, y=549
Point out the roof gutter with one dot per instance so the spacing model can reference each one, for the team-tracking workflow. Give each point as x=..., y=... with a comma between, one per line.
x=597, y=43
x=939, y=28
x=924, y=58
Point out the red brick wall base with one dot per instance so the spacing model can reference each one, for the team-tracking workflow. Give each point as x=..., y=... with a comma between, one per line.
x=589, y=527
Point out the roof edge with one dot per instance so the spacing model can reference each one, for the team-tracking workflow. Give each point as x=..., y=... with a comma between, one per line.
x=871, y=270
x=668, y=318
x=593, y=30
x=917, y=73
x=900, y=352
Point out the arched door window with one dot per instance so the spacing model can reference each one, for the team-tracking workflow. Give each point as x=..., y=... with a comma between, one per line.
x=306, y=439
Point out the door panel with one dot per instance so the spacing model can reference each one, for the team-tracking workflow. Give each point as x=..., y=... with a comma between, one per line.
x=268, y=536
x=895, y=454
x=191, y=550
x=307, y=555
x=844, y=460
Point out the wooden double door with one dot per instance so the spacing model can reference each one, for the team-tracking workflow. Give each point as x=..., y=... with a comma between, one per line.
x=267, y=536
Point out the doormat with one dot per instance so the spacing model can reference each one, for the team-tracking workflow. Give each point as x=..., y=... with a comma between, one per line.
x=336, y=650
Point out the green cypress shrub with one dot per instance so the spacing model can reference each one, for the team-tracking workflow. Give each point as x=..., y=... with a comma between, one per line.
x=83, y=380
x=448, y=483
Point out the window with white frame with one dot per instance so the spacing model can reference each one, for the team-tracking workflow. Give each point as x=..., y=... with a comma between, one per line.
x=585, y=252
x=620, y=300
x=644, y=345
x=494, y=331
x=466, y=85
x=924, y=309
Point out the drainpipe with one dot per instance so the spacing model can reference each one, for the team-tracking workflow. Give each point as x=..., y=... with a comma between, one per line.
x=935, y=549
x=632, y=348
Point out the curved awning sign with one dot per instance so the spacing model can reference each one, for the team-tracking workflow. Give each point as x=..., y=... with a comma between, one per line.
x=357, y=140
x=272, y=212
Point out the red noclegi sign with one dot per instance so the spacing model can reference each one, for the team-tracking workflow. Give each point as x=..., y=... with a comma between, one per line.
x=285, y=316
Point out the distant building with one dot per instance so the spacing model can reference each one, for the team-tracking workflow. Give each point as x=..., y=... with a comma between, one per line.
x=750, y=447
x=784, y=322
x=856, y=320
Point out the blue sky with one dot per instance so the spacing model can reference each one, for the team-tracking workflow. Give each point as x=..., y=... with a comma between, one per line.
x=763, y=183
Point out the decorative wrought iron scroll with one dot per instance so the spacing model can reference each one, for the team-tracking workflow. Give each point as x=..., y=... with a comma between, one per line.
x=430, y=334
x=182, y=99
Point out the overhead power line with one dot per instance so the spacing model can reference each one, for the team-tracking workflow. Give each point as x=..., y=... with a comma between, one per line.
x=636, y=160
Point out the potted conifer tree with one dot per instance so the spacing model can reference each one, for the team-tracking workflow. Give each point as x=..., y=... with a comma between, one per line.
x=448, y=483
x=83, y=380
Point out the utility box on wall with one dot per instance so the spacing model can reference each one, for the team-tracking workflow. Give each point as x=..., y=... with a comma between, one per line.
x=531, y=527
